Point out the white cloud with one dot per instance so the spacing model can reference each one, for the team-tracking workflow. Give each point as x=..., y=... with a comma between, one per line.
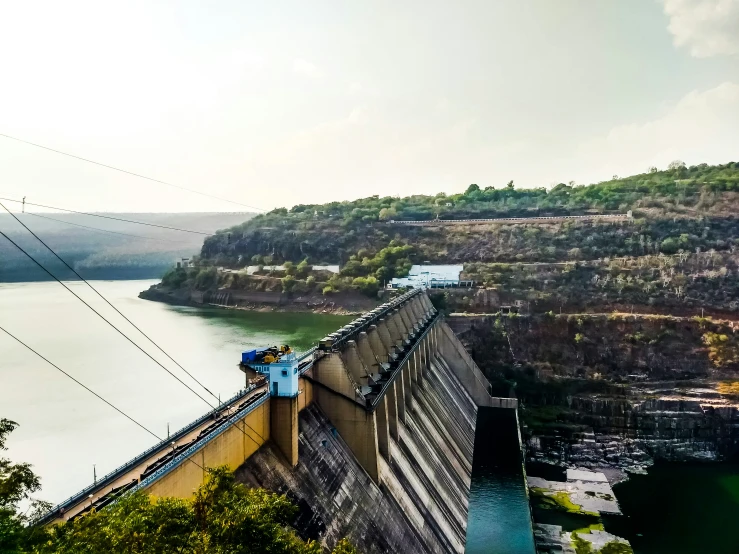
x=706, y=27
x=306, y=68
x=701, y=127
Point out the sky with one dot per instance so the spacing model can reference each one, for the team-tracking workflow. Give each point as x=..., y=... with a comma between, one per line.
x=272, y=104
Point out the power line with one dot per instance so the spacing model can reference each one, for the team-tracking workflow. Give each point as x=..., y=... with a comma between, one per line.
x=88, y=389
x=107, y=217
x=97, y=229
x=103, y=317
x=107, y=301
x=124, y=317
x=132, y=173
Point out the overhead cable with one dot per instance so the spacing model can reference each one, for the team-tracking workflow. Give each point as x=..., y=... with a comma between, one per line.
x=131, y=173
x=108, y=302
x=108, y=217
x=98, y=229
x=101, y=316
x=124, y=317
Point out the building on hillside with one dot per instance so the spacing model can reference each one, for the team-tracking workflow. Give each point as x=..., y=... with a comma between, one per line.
x=183, y=263
x=432, y=277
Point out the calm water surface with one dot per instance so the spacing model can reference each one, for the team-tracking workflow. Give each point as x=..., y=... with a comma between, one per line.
x=64, y=430
x=680, y=509
x=499, y=520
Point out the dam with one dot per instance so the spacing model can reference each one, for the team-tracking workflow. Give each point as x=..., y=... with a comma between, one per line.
x=371, y=434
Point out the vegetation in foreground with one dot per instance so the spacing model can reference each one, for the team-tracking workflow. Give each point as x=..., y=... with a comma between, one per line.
x=224, y=517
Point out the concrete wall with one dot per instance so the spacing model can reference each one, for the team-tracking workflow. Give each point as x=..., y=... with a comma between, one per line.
x=232, y=448
x=336, y=498
x=394, y=474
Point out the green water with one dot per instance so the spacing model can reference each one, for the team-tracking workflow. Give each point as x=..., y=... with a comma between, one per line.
x=499, y=520
x=63, y=429
x=680, y=509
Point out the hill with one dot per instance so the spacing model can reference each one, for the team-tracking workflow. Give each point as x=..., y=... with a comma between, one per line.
x=677, y=253
x=103, y=248
x=679, y=208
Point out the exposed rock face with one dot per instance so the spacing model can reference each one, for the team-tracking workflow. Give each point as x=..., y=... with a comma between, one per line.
x=615, y=390
x=632, y=434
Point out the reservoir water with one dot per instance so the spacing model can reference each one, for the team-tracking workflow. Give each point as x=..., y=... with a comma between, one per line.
x=64, y=430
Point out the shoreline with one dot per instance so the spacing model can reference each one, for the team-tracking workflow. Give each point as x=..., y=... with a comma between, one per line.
x=341, y=304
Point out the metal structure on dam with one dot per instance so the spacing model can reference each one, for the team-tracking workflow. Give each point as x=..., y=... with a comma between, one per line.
x=371, y=433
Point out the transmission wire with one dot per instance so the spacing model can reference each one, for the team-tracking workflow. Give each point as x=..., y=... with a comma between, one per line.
x=132, y=173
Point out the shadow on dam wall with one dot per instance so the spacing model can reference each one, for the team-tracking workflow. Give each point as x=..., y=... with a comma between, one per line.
x=499, y=519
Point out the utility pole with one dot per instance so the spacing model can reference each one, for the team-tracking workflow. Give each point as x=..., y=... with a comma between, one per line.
x=168, y=429
x=94, y=474
x=23, y=209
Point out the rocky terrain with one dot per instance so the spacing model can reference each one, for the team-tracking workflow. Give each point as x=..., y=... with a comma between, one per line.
x=617, y=391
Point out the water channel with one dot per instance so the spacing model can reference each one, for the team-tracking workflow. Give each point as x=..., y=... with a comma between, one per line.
x=499, y=519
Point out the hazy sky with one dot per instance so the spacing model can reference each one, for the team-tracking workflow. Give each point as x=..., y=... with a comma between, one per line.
x=285, y=102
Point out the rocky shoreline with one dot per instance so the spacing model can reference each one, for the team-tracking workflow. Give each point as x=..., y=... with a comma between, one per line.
x=338, y=304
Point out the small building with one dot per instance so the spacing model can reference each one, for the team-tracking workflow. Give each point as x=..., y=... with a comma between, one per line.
x=282, y=373
x=183, y=263
x=432, y=277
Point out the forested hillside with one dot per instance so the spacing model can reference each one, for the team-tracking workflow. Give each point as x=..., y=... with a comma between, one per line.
x=680, y=208
x=102, y=248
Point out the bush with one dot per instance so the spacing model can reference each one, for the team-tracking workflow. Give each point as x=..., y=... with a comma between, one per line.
x=670, y=245
x=288, y=283
x=206, y=278
x=174, y=278
x=367, y=285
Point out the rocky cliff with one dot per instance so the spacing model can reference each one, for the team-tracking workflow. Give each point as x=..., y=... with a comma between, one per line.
x=615, y=391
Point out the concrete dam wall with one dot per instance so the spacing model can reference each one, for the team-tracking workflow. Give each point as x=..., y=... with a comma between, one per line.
x=422, y=503
x=385, y=452
x=371, y=434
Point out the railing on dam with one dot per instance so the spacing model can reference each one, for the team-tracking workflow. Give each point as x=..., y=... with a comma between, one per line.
x=160, y=446
x=183, y=456
x=336, y=340
x=397, y=364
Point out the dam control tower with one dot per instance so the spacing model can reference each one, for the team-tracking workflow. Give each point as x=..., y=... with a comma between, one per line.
x=280, y=366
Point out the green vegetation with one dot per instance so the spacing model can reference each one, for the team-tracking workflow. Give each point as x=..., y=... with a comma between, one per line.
x=685, y=281
x=224, y=517
x=17, y=484
x=679, y=208
x=558, y=500
x=583, y=546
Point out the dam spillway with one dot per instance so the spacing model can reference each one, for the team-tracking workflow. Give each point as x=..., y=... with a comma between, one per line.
x=374, y=439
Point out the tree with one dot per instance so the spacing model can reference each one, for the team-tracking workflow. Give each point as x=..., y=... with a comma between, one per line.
x=472, y=188
x=303, y=269
x=17, y=483
x=670, y=245
x=224, y=517
x=288, y=283
x=387, y=214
